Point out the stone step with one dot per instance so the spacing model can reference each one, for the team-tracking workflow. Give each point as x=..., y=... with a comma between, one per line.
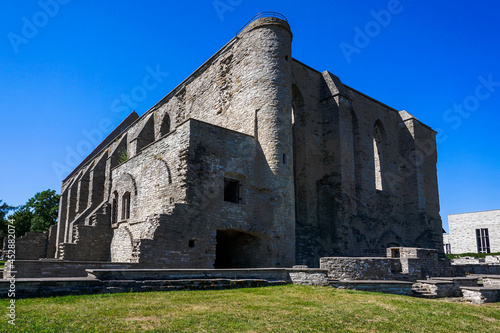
x=74, y=286
x=200, y=273
x=382, y=286
x=480, y=295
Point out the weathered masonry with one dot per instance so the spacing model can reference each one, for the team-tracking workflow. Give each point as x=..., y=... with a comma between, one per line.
x=255, y=160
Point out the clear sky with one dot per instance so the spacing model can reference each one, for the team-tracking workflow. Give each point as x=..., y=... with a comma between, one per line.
x=71, y=70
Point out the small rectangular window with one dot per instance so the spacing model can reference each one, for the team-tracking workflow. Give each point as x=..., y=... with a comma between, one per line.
x=483, y=240
x=191, y=243
x=231, y=190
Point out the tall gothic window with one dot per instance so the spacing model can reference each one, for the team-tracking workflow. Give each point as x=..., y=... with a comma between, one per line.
x=378, y=156
x=114, y=208
x=358, y=163
x=126, y=206
x=165, y=125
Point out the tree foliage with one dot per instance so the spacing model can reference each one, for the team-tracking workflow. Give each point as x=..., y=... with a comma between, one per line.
x=38, y=214
x=4, y=209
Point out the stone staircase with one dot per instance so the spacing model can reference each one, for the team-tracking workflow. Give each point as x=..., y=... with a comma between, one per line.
x=425, y=290
x=438, y=287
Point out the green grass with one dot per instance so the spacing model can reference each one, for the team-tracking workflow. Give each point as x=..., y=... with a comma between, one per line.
x=288, y=308
x=475, y=255
x=2, y=263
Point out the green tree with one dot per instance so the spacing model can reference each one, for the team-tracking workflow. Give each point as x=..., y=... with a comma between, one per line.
x=38, y=214
x=4, y=210
x=22, y=220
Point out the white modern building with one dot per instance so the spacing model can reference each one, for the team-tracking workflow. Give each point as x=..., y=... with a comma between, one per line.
x=477, y=232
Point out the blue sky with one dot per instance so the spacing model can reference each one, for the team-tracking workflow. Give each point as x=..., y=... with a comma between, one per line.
x=67, y=67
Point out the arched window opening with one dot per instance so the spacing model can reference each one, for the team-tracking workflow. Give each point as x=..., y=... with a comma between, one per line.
x=356, y=147
x=126, y=206
x=114, y=208
x=165, y=125
x=378, y=155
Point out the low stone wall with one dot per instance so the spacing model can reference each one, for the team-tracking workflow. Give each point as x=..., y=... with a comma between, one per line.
x=467, y=261
x=125, y=280
x=360, y=268
x=309, y=277
x=25, y=288
x=480, y=295
x=46, y=268
x=368, y=268
x=33, y=245
x=491, y=281
x=387, y=286
x=476, y=261
x=483, y=269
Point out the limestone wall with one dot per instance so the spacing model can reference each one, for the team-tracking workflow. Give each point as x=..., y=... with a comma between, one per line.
x=201, y=156
x=339, y=209
x=33, y=245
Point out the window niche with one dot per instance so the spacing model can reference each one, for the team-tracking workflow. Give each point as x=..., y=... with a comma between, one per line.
x=165, y=125
x=126, y=206
x=114, y=209
x=285, y=159
x=378, y=155
x=232, y=190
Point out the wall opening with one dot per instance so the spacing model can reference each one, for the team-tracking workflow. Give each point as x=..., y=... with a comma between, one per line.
x=165, y=125
x=395, y=253
x=126, y=206
x=146, y=135
x=236, y=249
x=114, y=208
x=378, y=155
x=191, y=243
x=232, y=190
x=356, y=144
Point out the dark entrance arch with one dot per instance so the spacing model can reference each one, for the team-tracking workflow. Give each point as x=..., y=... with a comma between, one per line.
x=236, y=249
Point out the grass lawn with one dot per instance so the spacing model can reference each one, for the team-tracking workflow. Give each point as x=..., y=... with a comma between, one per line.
x=288, y=308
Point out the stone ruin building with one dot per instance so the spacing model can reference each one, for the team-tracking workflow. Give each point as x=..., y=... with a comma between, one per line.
x=254, y=160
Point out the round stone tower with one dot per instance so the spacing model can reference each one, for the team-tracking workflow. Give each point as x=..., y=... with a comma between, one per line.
x=267, y=82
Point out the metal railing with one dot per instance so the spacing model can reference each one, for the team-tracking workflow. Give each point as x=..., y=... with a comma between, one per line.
x=260, y=15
